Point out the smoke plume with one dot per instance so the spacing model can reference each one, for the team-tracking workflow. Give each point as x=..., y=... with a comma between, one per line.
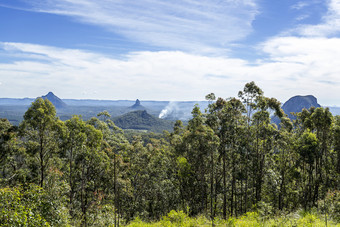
x=169, y=109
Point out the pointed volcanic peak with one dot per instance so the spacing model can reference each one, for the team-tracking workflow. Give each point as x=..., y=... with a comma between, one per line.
x=57, y=102
x=137, y=106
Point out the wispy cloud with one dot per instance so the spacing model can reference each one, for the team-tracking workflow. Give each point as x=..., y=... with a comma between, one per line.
x=304, y=60
x=168, y=73
x=302, y=17
x=191, y=25
x=300, y=5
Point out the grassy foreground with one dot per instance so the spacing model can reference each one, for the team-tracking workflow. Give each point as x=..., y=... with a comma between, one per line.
x=175, y=219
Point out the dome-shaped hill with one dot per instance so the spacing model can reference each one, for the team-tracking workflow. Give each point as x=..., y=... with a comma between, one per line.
x=141, y=120
x=296, y=104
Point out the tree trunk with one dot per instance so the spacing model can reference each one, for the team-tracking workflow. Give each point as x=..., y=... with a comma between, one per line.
x=224, y=188
x=212, y=186
x=42, y=168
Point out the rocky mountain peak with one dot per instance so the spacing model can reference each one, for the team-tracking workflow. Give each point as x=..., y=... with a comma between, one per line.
x=56, y=101
x=137, y=105
x=297, y=103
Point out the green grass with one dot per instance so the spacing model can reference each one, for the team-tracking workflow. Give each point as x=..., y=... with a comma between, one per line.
x=250, y=219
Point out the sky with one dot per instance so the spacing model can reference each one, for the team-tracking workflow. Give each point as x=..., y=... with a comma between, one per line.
x=169, y=49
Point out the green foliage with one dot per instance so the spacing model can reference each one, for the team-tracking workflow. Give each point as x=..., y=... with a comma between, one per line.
x=330, y=206
x=16, y=212
x=13, y=157
x=39, y=130
x=174, y=219
x=229, y=166
x=30, y=206
x=308, y=147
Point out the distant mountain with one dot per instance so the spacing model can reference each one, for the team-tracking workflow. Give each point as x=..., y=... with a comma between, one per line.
x=57, y=102
x=141, y=120
x=296, y=104
x=335, y=110
x=16, y=102
x=95, y=102
x=137, y=106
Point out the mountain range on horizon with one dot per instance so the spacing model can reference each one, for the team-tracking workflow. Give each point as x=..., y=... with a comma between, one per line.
x=13, y=109
x=60, y=103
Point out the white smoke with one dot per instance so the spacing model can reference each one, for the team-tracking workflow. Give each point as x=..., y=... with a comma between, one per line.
x=169, y=109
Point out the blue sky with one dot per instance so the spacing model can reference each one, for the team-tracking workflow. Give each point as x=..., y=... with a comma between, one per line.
x=169, y=50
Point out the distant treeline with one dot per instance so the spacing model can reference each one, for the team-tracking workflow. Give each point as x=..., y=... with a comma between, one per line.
x=228, y=161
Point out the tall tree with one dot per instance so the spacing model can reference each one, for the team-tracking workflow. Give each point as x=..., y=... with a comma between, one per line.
x=198, y=142
x=250, y=93
x=39, y=127
x=74, y=144
x=114, y=145
x=211, y=97
x=336, y=143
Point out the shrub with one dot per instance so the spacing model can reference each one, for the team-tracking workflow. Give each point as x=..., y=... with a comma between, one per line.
x=330, y=206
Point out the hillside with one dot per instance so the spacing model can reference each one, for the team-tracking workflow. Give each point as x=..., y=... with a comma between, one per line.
x=141, y=120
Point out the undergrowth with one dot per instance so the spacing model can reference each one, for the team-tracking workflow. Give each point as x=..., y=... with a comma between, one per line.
x=250, y=219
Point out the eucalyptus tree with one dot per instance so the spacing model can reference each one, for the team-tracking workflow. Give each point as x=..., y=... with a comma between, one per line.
x=194, y=148
x=235, y=124
x=211, y=97
x=93, y=164
x=74, y=145
x=336, y=144
x=40, y=132
x=260, y=135
x=285, y=162
x=264, y=138
x=248, y=96
x=308, y=148
x=215, y=118
x=322, y=120
x=318, y=121
x=226, y=118
x=114, y=145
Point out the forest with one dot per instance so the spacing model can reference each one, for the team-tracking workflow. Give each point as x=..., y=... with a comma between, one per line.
x=229, y=166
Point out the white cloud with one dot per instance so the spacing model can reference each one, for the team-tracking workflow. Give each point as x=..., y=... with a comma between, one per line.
x=168, y=74
x=192, y=25
x=293, y=67
x=309, y=63
x=303, y=62
x=329, y=26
